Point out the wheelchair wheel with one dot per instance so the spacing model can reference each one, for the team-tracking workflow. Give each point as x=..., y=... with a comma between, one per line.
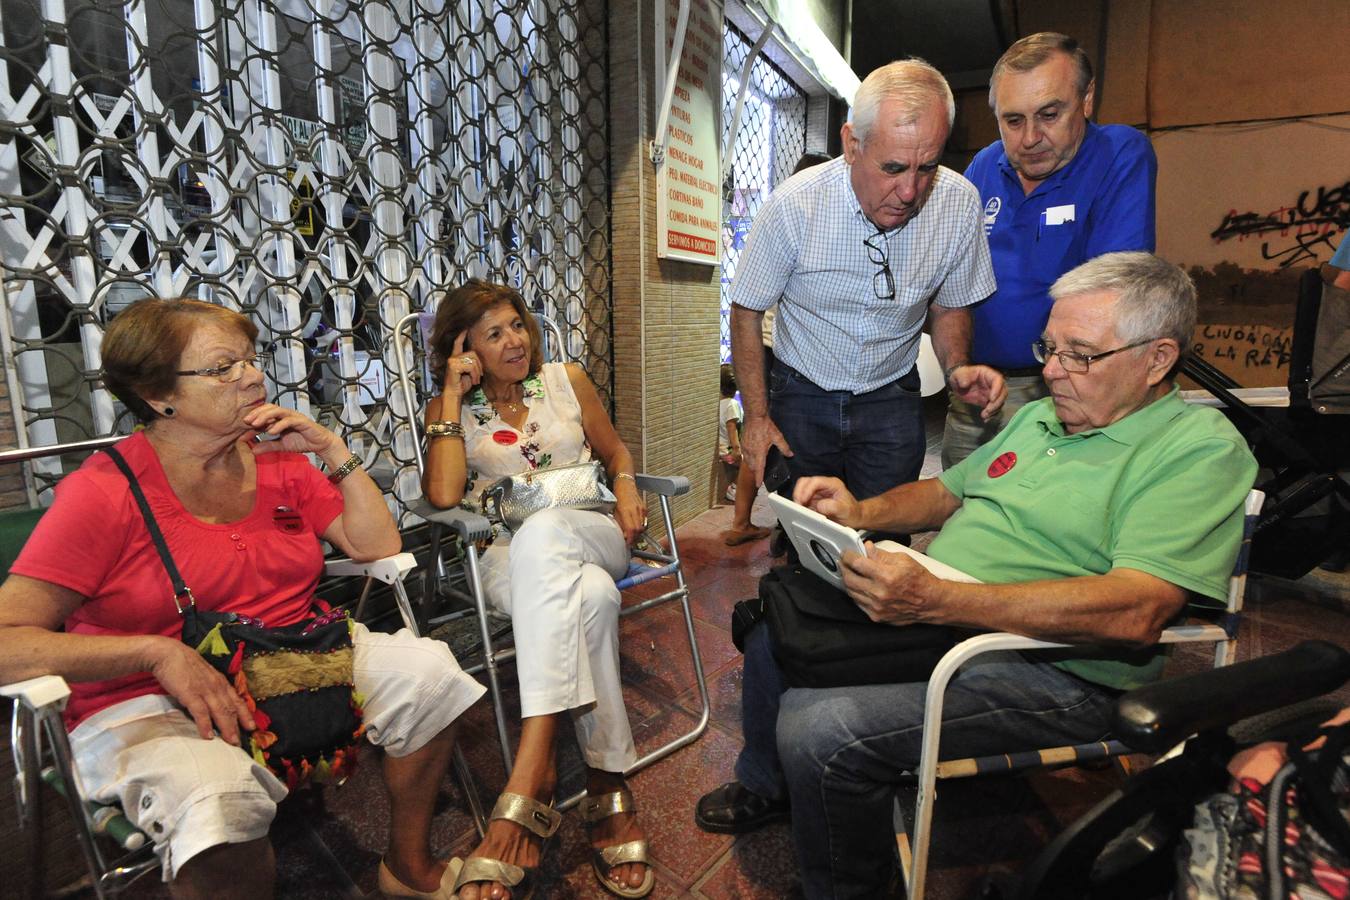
x=1286, y=723
x=1124, y=847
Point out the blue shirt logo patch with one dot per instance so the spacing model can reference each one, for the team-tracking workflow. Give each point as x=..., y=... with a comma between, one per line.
x=991, y=211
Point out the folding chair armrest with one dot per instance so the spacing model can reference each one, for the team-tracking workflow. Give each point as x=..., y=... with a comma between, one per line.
x=1157, y=716
x=1202, y=633
x=968, y=649
x=389, y=569
x=37, y=693
x=971, y=647
x=665, y=485
x=470, y=526
x=934, y=697
x=948, y=666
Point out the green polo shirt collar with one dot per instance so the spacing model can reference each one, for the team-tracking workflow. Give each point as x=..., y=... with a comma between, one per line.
x=1133, y=430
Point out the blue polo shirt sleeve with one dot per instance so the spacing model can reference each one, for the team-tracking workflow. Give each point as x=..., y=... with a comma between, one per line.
x=770, y=256
x=1124, y=212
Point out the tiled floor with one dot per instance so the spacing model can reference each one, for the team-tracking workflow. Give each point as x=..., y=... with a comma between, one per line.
x=984, y=826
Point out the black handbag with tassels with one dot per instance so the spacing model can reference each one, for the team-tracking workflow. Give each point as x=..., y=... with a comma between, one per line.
x=296, y=679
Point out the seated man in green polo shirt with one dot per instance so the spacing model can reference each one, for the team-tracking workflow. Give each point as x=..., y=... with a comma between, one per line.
x=1092, y=518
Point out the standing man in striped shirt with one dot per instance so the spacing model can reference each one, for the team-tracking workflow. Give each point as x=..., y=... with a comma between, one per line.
x=858, y=253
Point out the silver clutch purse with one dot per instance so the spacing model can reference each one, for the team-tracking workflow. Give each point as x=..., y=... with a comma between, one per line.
x=513, y=499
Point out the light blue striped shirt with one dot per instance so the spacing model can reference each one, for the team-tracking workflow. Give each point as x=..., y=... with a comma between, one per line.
x=805, y=252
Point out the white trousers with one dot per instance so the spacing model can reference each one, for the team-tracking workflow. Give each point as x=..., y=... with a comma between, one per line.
x=555, y=579
x=188, y=794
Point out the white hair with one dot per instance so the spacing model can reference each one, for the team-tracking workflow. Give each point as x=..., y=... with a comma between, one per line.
x=912, y=83
x=1154, y=298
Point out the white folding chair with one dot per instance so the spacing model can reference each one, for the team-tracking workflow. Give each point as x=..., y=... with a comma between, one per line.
x=1222, y=633
x=42, y=756
x=650, y=562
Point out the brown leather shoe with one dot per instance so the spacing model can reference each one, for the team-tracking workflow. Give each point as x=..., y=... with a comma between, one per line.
x=735, y=809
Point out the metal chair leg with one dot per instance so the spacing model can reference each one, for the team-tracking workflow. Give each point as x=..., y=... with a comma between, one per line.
x=682, y=592
x=28, y=795
x=53, y=730
x=489, y=656
x=464, y=775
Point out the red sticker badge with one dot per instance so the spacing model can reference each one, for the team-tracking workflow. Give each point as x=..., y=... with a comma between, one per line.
x=1003, y=464
x=288, y=520
x=504, y=437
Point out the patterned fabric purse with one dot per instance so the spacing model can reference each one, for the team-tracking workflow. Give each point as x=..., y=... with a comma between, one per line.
x=296, y=679
x=513, y=499
x=1286, y=839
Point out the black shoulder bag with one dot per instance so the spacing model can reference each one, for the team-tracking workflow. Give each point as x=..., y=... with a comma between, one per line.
x=296, y=680
x=821, y=638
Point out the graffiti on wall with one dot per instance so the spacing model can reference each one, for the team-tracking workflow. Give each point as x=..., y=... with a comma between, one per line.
x=1293, y=234
x=1237, y=347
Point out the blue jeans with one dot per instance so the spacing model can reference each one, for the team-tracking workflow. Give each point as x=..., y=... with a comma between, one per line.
x=872, y=441
x=837, y=753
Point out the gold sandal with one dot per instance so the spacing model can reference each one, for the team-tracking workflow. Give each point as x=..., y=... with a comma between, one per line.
x=536, y=818
x=390, y=886
x=603, y=860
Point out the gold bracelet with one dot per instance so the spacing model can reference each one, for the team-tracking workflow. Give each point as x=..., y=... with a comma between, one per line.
x=445, y=429
x=347, y=468
x=629, y=476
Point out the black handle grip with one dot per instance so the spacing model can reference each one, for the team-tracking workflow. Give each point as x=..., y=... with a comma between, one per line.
x=1153, y=718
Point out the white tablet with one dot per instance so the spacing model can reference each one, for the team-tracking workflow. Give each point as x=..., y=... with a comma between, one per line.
x=819, y=542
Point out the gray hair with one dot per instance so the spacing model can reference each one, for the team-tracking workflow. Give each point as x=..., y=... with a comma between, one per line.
x=1036, y=49
x=1154, y=299
x=912, y=83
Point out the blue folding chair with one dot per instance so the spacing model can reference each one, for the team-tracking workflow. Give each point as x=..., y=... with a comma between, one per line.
x=651, y=562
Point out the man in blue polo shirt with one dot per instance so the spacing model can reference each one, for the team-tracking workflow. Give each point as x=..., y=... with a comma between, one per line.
x=1057, y=191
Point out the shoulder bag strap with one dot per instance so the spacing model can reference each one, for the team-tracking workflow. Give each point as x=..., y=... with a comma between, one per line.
x=180, y=588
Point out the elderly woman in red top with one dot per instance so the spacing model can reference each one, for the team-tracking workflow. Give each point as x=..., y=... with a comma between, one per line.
x=154, y=727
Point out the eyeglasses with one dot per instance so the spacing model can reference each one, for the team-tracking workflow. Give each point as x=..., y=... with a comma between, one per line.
x=1073, y=361
x=878, y=251
x=230, y=372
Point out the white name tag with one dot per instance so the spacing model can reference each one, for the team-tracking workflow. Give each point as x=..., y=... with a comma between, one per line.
x=1058, y=215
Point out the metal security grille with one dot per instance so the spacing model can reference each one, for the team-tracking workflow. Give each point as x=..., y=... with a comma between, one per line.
x=769, y=142
x=323, y=166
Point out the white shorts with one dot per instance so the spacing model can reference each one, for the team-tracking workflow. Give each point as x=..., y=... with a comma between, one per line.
x=188, y=794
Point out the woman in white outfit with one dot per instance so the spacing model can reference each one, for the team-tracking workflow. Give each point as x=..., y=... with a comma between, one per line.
x=502, y=412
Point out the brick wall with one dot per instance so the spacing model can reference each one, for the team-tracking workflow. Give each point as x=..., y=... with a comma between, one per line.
x=666, y=327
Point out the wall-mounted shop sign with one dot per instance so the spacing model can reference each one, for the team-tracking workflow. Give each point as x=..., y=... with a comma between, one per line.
x=688, y=197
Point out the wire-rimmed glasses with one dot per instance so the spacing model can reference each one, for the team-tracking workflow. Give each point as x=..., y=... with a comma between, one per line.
x=1071, y=360
x=878, y=251
x=232, y=371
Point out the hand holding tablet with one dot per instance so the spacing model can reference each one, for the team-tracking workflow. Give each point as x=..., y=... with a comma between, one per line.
x=821, y=543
